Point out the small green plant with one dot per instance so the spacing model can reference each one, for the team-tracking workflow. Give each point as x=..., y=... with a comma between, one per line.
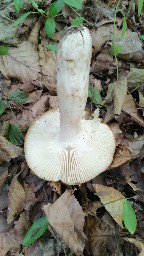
x=129, y=217
x=115, y=47
x=53, y=12
x=3, y=50
x=35, y=231
x=94, y=95
x=15, y=135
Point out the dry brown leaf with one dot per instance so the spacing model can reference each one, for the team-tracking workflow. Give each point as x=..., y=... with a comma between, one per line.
x=137, y=243
x=8, y=242
x=34, y=96
x=130, y=108
x=21, y=63
x=48, y=68
x=101, y=35
x=21, y=226
x=117, y=132
x=3, y=175
x=141, y=100
x=8, y=150
x=65, y=215
x=39, y=108
x=34, y=34
x=122, y=154
x=30, y=198
x=16, y=198
x=112, y=200
x=118, y=92
x=135, y=76
x=100, y=236
x=53, y=101
x=136, y=146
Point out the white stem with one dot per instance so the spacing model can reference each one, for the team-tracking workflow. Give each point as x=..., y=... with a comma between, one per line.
x=73, y=64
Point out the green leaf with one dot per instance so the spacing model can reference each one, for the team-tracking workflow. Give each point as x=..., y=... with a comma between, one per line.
x=55, y=8
x=97, y=99
x=142, y=37
x=77, y=21
x=35, y=5
x=50, y=27
x=90, y=92
x=124, y=27
x=129, y=217
x=74, y=3
x=3, y=50
x=3, y=106
x=52, y=47
x=21, y=19
x=140, y=6
x=18, y=5
x=15, y=135
x=94, y=95
x=116, y=49
x=18, y=96
x=35, y=231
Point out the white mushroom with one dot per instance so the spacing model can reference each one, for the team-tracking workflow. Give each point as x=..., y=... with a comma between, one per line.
x=61, y=144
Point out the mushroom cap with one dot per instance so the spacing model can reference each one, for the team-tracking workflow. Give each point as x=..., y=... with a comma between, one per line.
x=73, y=162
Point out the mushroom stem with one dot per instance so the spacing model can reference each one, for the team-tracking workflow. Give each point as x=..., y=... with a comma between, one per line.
x=73, y=64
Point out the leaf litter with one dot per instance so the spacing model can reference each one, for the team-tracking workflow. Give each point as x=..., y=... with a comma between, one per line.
x=89, y=218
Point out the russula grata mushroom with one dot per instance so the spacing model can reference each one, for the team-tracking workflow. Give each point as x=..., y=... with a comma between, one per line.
x=61, y=144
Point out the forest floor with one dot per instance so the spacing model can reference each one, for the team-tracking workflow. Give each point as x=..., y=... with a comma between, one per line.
x=104, y=216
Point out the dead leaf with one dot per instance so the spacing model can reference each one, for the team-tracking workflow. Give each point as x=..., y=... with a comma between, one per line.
x=135, y=76
x=8, y=242
x=100, y=36
x=136, y=146
x=16, y=198
x=141, y=100
x=130, y=108
x=21, y=226
x=8, y=150
x=122, y=154
x=53, y=101
x=39, y=108
x=118, y=92
x=112, y=200
x=65, y=215
x=21, y=63
x=3, y=175
x=117, y=132
x=48, y=68
x=34, y=34
x=138, y=244
x=100, y=237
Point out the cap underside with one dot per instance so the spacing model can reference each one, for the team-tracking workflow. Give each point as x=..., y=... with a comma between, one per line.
x=73, y=162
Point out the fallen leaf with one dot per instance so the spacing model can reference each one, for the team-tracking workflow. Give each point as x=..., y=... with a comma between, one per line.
x=3, y=175
x=21, y=63
x=39, y=108
x=138, y=244
x=65, y=215
x=117, y=132
x=16, y=198
x=136, y=146
x=130, y=108
x=135, y=76
x=118, y=92
x=112, y=200
x=141, y=100
x=48, y=68
x=122, y=154
x=8, y=242
x=100, y=237
x=8, y=150
x=21, y=226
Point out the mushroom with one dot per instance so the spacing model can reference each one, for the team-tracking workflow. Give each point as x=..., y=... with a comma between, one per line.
x=61, y=144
